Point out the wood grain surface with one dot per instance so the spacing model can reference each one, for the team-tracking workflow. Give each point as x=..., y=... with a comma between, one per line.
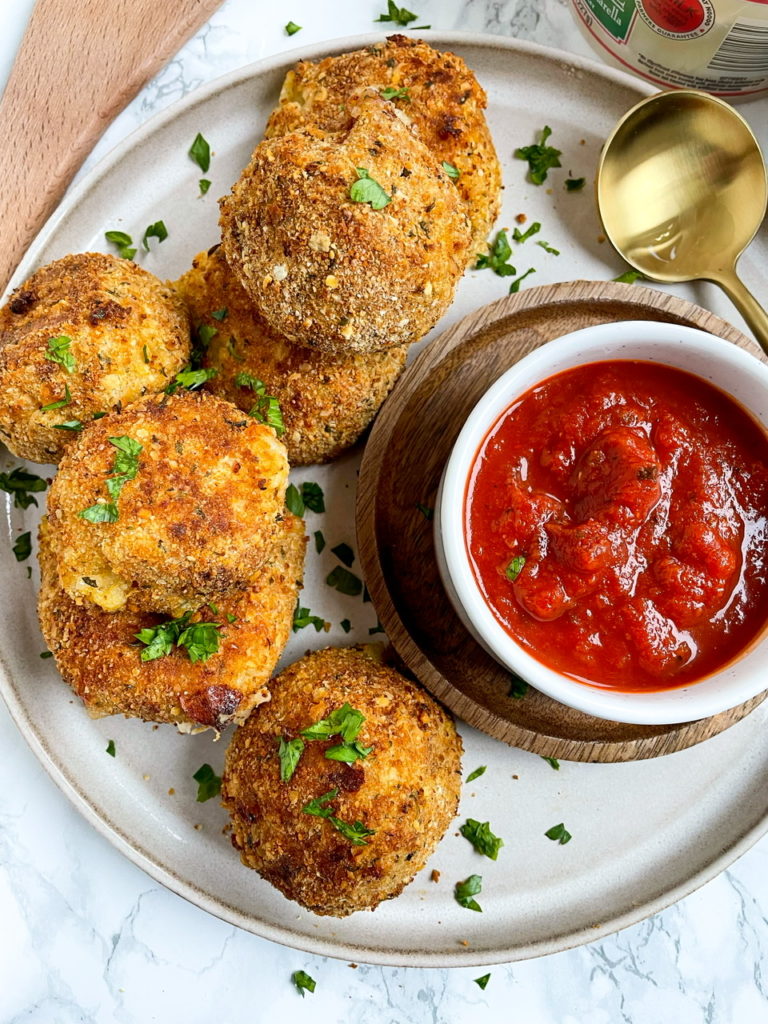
x=80, y=63
x=402, y=465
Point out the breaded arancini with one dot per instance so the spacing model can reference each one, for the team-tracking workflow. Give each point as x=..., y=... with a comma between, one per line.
x=442, y=99
x=406, y=791
x=334, y=273
x=194, y=522
x=326, y=401
x=99, y=656
x=118, y=334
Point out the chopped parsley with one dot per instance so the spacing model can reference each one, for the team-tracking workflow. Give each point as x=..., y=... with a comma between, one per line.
x=523, y=236
x=303, y=617
x=344, y=553
x=574, y=184
x=191, y=379
x=200, y=639
x=391, y=93
x=293, y=500
x=290, y=30
x=202, y=336
x=46, y=654
x=101, y=512
x=356, y=833
x=313, y=497
x=208, y=783
x=399, y=15
x=344, y=721
x=289, y=752
x=58, y=352
x=451, y=171
x=559, y=834
x=464, y=891
x=518, y=688
x=481, y=837
x=61, y=402
x=21, y=484
x=123, y=243
x=220, y=314
x=22, y=549
x=346, y=625
x=378, y=628
x=515, y=567
x=301, y=979
x=348, y=752
x=344, y=581
x=125, y=466
x=515, y=286
x=426, y=511
x=74, y=425
x=157, y=230
x=497, y=258
x=541, y=157
x=549, y=248
x=629, y=277
x=200, y=152
x=111, y=748
x=552, y=762
x=477, y=773
x=367, y=190
x=204, y=185
x=319, y=541
x=482, y=982
x=267, y=408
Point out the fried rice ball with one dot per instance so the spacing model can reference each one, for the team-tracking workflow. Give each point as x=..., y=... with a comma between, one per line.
x=326, y=401
x=194, y=517
x=329, y=271
x=85, y=334
x=435, y=91
x=398, y=800
x=98, y=655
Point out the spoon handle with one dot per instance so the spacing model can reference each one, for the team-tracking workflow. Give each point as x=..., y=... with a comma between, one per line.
x=746, y=303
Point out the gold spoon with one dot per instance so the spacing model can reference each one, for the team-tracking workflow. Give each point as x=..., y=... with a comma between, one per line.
x=681, y=189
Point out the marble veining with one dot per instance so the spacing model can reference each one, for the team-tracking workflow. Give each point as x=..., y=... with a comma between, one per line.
x=88, y=937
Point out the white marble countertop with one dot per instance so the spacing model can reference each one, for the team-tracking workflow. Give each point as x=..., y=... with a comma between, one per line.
x=86, y=936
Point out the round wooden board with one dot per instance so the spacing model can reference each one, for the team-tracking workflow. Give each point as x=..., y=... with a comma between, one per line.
x=402, y=465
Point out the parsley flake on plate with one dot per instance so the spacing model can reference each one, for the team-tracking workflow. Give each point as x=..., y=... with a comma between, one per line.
x=123, y=242
x=208, y=783
x=204, y=184
x=344, y=553
x=552, y=762
x=58, y=352
x=290, y=30
x=629, y=277
x=303, y=982
x=514, y=568
x=157, y=230
x=22, y=548
x=319, y=541
x=313, y=497
x=574, y=184
x=549, y=248
x=497, y=257
x=480, y=835
x=344, y=581
x=523, y=236
x=200, y=152
x=559, y=834
x=515, y=286
x=346, y=625
x=477, y=773
x=367, y=190
x=398, y=15
x=46, y=654
x=289, y=752
x=482, y=982
x=541, y=157
x=21, y=484
x=464, y=892
x=111, y=748
x=303, y=617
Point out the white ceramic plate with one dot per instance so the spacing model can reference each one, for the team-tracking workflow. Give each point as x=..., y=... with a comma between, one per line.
x=644, y=834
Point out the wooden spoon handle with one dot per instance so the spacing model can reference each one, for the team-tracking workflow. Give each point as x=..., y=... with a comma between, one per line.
x=79, y=64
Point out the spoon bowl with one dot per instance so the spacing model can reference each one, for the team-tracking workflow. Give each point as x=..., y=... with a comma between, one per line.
x=681, y=189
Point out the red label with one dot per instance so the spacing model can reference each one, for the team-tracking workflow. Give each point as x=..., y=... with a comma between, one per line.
x=676, y=16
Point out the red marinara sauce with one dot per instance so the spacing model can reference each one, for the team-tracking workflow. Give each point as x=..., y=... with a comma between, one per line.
x=616, y=524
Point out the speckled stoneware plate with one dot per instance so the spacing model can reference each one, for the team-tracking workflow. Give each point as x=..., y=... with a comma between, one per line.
x=644, y=833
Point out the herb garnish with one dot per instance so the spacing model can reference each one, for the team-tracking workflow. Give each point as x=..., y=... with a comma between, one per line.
x=559, y=834
x=356, y=833
x=291, y=29
x=157, y=230
x=319, y=541
x=294, y=501
x=378, y=628
x=344, y=581
x=518, y=688
x=58, y=352
x=22, y=549
x=523, y=236
x=123, y=243
x=552, y=762
x=464, y=891
x=346, y=625
x=20, y=483
x=46, y=654
x=629, y=277
x=426, y=511
x=200, y=639
x=191, y=379
x=574, y=184
x=310, y=496
x=477, y=773
x=515, y=286
x=515, y=567
x=111, y=748
x=74, y=425
x=481, y=837
x=200, y=152
x=289, y=753
x=344, y=553
x=399, y=15
x=482, y=982
x=204, y=185
x=61, y=402
x=101, y=512
x=451, y=171
x=497, y=258
x=267, y=408
x=208, y=783
x=344, y=721
x=303, y=982
x=541, y=157
x=303, y=617
x=548, y=248
x=391, y=93
x=220, y=314
x=367, y=190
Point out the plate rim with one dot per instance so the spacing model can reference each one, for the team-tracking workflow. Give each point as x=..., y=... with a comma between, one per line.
x=103, y=823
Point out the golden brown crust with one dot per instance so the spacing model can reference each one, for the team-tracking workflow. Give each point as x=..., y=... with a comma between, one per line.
x=193, y=525
x=326, y=401
x=445, y=103
x=129, y=335
x=334, y=274
x=406, y=790
x=98, y=655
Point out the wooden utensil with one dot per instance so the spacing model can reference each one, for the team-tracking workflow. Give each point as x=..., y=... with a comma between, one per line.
x=79, y=64
x=401, y=469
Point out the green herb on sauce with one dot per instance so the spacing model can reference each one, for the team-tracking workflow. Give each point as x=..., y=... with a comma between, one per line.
x=514, y=568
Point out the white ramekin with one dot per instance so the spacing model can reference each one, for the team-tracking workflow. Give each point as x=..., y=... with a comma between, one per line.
x=729, y=368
